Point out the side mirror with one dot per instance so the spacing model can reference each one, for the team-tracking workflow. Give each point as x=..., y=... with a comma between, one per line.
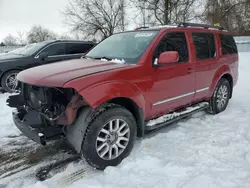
x=43, y=55
x=168, y=57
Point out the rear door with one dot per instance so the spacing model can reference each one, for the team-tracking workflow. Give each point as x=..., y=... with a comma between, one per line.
x=206, y=62
x=174, y=83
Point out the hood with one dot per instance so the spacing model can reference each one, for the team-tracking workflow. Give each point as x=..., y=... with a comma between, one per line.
x=10, y=56
x=57, y=74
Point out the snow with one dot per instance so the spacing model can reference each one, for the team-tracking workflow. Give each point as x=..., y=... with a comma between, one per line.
x=204, y=151
x=156, y=61
x=8, y=130
x=122, y=61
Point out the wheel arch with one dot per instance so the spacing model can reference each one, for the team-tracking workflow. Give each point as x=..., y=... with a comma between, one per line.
x=6, y=71
x=118, y=91
x=229, y=77
x=131, y=106
x=222, y=72
x=77, y=131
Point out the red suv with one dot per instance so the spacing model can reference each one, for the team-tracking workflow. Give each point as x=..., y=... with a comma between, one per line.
x=129, y=84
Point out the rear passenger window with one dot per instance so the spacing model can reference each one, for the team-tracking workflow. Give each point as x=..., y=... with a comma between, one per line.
x=228, y=44
x=78, y=48
x=174, y=42
x=205, y=45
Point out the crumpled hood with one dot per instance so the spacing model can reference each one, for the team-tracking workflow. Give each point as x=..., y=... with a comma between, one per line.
x=57, y=74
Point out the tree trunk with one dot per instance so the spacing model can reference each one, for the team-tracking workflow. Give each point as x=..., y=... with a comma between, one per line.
x=166, y=12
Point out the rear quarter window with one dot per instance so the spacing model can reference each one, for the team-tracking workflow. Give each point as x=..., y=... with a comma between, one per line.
x=205, y=45
x=228, y=44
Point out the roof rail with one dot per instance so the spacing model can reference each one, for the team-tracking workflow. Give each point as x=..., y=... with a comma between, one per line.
x=163, y=26
x=142, y=27
x=206, y=26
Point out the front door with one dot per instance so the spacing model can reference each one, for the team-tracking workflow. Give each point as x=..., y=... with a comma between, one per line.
x=174, y=83
x=55, y=52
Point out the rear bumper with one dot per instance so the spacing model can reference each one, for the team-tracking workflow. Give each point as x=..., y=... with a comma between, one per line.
x=28, y=131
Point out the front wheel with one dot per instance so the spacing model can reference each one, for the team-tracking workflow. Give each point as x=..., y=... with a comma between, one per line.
x=110, y=137
x=9, y=81
x=221, y=96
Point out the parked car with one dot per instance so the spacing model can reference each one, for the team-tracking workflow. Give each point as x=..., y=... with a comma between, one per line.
x=127, y=85
x=36, y=54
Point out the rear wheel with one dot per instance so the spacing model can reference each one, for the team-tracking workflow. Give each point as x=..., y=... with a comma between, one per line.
x=9, y=81
x=109, y=138
x=221, y=96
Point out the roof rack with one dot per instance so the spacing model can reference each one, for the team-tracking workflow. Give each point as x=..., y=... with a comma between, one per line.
x=206, y=26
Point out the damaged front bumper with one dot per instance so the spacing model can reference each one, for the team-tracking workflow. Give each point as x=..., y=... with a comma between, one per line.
x=31, y=124
x=27, y=130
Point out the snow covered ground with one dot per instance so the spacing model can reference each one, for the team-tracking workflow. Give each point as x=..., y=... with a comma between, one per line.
x=204, y=151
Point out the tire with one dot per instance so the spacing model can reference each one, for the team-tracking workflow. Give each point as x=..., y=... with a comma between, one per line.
x=220, y=98
x=5, y=79
x=92, y=149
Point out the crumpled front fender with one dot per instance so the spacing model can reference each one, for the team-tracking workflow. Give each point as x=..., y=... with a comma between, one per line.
x=100, y=93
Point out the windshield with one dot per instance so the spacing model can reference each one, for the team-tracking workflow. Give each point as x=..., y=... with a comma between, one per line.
x=29, y=49
x=127, y=47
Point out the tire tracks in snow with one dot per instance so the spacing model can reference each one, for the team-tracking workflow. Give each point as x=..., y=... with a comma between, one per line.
x=24, y=161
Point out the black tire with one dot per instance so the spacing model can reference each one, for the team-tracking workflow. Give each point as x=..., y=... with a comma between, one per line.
x=214, y=107
x=4, y=78
x=89, y=145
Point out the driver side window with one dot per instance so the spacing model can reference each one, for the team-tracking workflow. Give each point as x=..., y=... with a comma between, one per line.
x=55, y=49
x=173, y=42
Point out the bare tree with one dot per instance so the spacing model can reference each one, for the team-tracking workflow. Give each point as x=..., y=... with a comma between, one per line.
x=10, y=40
x=64, y=37
x=142, y=15
x=166, y=11
x=96, y=18
x=234, y=15
x=21, y=37
x=39, y=34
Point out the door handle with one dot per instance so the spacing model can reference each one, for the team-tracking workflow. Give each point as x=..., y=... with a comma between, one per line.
x=190, y=70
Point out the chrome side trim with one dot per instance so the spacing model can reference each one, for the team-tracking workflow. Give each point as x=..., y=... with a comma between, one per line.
x=173, y=98
x=65, y=55
x=203, y=89
x=180, y=96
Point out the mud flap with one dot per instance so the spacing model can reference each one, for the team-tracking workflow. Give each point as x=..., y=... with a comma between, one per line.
x=76, y=131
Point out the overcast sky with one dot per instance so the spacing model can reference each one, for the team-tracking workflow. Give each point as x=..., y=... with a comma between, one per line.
x=22, y=14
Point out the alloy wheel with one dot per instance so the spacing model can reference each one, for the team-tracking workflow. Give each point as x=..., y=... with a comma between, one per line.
x=12, y=82
x=222, y=96
x=112, y=139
